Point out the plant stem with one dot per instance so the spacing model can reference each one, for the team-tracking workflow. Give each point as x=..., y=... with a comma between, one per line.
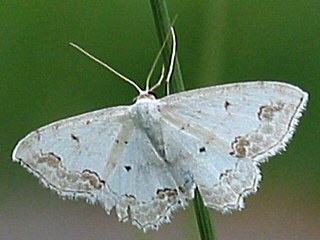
x=203, y=218
x=163, y=24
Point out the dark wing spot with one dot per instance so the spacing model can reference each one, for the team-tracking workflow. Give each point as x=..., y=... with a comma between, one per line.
x=74, y=137
x=240, y=147
x=226, y=105
x=221, y=175
x=225, y=173
x=184, y=127
x=202, y=149
x=93, y=178
x=130, y=196
x=128, y=168
x=120, y=141
x=267, y=113
x=50, y=158
x=54, y=155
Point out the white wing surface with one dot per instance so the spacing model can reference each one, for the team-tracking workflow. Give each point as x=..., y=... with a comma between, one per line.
x=220, y=135
x=103, y=157
x=69, y=155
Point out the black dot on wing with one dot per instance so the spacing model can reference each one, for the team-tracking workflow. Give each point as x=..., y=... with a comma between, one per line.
x=128, y=168
x=74, y=137
x=202, y=149
x=226, y=105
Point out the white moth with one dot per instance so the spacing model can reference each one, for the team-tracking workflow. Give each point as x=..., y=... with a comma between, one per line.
x=145, y=160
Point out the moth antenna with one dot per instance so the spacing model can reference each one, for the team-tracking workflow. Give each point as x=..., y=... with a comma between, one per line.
x=160, y=79
x=157, y=59
x=155, y=63
x=108, y=67
x=171, y=65
x=172, y=60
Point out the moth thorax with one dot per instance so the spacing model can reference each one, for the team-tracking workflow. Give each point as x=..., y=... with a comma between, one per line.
x=146, y=112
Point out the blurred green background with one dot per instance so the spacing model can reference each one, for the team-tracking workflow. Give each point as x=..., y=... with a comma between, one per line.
x=43, y=79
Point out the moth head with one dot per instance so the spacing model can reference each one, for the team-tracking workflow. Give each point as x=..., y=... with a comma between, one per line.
x=145, y=96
